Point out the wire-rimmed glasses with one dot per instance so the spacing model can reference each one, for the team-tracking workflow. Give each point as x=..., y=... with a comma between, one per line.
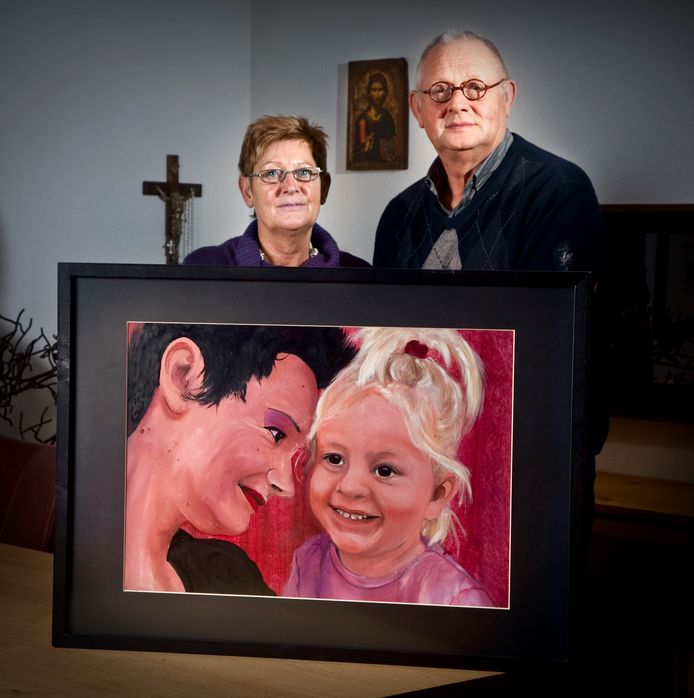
x=473, y=89
x=275, y=175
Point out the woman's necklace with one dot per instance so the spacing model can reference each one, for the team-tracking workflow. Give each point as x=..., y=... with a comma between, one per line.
x=312, y=252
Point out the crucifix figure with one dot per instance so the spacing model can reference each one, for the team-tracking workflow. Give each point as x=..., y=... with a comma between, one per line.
x=174, y=194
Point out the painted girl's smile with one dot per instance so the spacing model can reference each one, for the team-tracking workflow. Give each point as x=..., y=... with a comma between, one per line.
x=371, y=489
x=352, y=516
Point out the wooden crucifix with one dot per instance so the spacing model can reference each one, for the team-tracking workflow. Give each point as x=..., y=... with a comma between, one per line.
x=174, y=194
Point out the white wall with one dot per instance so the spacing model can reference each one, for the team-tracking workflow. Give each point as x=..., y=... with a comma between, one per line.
x=93, y=96
x=584, y=70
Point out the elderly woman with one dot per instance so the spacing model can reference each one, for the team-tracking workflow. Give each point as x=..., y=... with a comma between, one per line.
x=284, y=178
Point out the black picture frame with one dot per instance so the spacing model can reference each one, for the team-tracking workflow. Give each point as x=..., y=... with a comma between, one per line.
x=549, y=313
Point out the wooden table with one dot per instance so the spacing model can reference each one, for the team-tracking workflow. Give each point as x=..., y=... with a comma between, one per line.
x=615, y=491
x=644, y=509
x=29, y=665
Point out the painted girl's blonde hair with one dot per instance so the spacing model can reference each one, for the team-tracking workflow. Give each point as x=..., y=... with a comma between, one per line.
x=411, y=368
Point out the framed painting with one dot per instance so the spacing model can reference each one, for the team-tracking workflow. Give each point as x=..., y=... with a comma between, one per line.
x=278, y=462
x=377, y=115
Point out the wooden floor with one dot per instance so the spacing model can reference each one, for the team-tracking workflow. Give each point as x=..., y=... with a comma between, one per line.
x=639, y=619
x=638, y=636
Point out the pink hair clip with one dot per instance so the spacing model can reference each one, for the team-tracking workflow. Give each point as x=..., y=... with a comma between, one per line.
x=417, y=349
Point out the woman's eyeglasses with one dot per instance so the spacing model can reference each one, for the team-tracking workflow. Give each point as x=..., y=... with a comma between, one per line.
x=275, y=175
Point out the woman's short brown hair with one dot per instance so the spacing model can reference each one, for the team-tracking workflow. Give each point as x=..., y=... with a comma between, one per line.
x=270, y=129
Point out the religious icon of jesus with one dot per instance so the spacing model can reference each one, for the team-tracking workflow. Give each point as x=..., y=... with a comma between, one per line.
x=378, y=116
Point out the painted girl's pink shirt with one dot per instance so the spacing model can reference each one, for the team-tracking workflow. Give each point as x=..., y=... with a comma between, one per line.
x=432, y=578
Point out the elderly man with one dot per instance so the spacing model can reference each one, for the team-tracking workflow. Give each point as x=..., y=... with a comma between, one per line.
x=491, y=200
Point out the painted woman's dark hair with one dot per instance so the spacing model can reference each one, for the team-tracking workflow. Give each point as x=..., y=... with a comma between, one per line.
x=233, y=355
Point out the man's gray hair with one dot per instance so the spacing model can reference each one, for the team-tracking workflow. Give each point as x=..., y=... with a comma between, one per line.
x=456, y=35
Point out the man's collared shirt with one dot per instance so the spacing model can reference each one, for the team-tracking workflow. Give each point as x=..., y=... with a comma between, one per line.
x=483, y=172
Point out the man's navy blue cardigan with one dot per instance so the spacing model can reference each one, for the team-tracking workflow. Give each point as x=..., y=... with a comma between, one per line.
x=537, y=211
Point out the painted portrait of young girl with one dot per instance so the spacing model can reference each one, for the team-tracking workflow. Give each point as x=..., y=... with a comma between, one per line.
x=383, y=471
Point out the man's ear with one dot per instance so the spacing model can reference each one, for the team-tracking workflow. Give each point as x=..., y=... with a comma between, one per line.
x=180, y=373
x=510, y=92
x=414, y=106
x=246, y=191
x=324, y=186
x=441, y=498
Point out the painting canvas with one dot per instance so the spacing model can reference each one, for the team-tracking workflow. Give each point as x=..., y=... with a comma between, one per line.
x=377, y=115
x=251, y=507
x=523, y=449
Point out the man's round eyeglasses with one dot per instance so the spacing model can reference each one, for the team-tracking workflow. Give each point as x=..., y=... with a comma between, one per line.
x=275, y=175
x=473, y=89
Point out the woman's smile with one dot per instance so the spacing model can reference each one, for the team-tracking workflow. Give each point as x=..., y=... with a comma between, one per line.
x=255, y=499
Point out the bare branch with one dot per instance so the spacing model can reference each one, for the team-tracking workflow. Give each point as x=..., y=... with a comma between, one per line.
x=19, y=359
